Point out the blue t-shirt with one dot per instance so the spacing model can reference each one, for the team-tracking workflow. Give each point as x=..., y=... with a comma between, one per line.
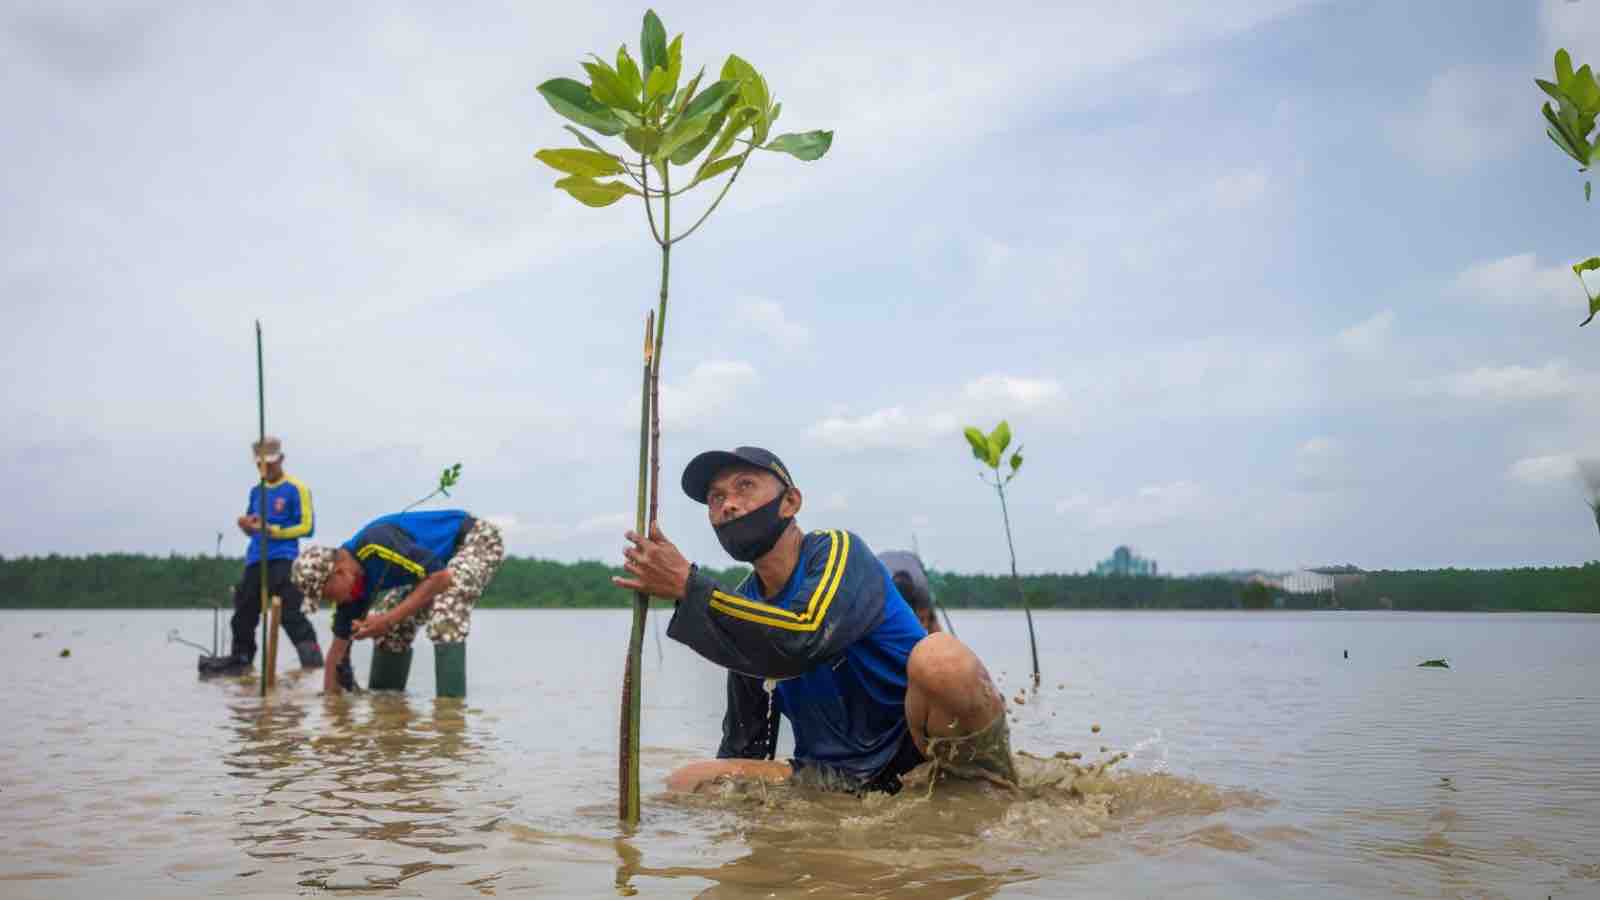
x=399, y=550
x=837, y=637
x=289, y=518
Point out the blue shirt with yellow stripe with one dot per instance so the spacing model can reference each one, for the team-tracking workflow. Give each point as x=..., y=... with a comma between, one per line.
x=289, y=518
x=399, y=550
x=835, y=638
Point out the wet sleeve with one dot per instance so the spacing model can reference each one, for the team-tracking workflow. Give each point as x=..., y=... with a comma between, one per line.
x=840, y=600
x=390, y=546
x=746, y=726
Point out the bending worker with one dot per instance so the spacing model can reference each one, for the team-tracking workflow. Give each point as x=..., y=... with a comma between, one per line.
x=288, y=517
x=819, y=634
x=434, y=565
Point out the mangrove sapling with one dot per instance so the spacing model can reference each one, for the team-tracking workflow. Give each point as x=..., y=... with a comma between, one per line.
x=712, y=132
x=990, y=450
x=1571, y=122
x=447, y=480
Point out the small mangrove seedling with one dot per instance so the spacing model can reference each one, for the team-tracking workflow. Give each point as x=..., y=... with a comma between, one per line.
x=710, y=134
x=447, y=480
x=990, y=450
x=1571, y=122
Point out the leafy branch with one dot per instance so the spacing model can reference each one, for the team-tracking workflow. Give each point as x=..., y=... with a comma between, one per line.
x=1571, y=123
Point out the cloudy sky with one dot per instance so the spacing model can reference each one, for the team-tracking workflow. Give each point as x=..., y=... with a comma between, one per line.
x=1267, y=285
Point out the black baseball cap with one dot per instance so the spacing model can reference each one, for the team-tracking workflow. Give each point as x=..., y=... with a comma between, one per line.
x=698, y=474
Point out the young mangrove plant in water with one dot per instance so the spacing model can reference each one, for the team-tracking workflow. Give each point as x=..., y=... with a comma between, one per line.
x=710, y=133
x=990, y=450
x=1572, y=120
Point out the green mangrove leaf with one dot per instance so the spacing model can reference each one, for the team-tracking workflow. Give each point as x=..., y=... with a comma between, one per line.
x=674, y=64
x=606, y=86
x=1553, y=90
x=713, y=168
x=656, y=85
x=584, y=139
x=588, y=163
x=653, y=42
x=1586, y=185
x=737, y=122
x=687, y=153
x=642, y=140
x=1563, y=67
x=1000, y=439
x=684, y=129
x=1589, y=265
x=572, y=99
x=713, y=99
x=628, y=73
x=1016, y=460
x=687, y=94
x=979, y=444
x=595, y=193
x=807, y=146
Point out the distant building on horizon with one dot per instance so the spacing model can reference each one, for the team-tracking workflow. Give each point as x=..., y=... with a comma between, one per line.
x=1124, y=561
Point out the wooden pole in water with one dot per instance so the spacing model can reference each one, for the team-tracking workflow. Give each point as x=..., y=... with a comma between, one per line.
x=270, y=664
x=261, y=507
x=628, y=749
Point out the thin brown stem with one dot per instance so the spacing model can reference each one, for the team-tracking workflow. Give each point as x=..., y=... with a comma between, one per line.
x=712, y=208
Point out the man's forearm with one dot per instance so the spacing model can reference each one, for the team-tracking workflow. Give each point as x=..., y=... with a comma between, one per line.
x=330, y=666
x=422, y=596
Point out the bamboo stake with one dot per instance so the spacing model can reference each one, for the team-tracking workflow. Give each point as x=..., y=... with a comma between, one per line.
x=628, y=751
x=270, y=664
x=261, y=507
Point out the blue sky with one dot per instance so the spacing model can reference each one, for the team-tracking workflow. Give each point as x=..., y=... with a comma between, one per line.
x=1263, y=285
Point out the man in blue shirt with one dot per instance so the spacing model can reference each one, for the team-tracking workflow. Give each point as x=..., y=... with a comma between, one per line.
x=288, y=517
x=430, y=567
x=818, y=634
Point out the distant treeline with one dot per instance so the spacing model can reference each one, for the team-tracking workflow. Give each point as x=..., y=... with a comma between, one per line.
x=135, y=581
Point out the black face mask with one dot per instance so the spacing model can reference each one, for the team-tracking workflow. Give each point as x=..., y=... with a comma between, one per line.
x=749, y=537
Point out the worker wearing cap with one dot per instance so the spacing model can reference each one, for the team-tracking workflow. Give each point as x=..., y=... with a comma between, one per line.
x=288, y=516
x=818, y=634
x=401, y=572
x=911, y=580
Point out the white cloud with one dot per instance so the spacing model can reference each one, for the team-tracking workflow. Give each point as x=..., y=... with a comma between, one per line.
x=1517, y=280
x=1150, y=505
x=1320, y=464
x=1468, y=115
x=1553, y=380
x=1368, y=336
x=707, y=394
x=769, y=320
x=1543, y=470
x=1010, y=389
x=891, y=428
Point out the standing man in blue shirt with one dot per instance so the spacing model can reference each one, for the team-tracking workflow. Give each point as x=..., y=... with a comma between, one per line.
x=287, y=517
x=430, y=566
x=818, y=634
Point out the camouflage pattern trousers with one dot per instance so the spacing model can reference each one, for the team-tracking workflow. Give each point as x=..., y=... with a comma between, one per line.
x=449, y=617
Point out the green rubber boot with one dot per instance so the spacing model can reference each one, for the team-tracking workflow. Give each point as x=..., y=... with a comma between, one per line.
x=389, y=670
x=450, y=669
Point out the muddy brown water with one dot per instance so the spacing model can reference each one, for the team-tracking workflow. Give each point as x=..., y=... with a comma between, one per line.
x=1260, y=763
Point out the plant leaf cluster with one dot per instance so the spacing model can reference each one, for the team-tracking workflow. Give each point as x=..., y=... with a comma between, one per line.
x=990, y=449
x=710, y=128
x=1571, y=123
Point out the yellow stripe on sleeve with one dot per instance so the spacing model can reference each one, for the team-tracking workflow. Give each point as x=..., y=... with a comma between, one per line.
x=384, y=553
x=749, y=610
x=307, y=518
